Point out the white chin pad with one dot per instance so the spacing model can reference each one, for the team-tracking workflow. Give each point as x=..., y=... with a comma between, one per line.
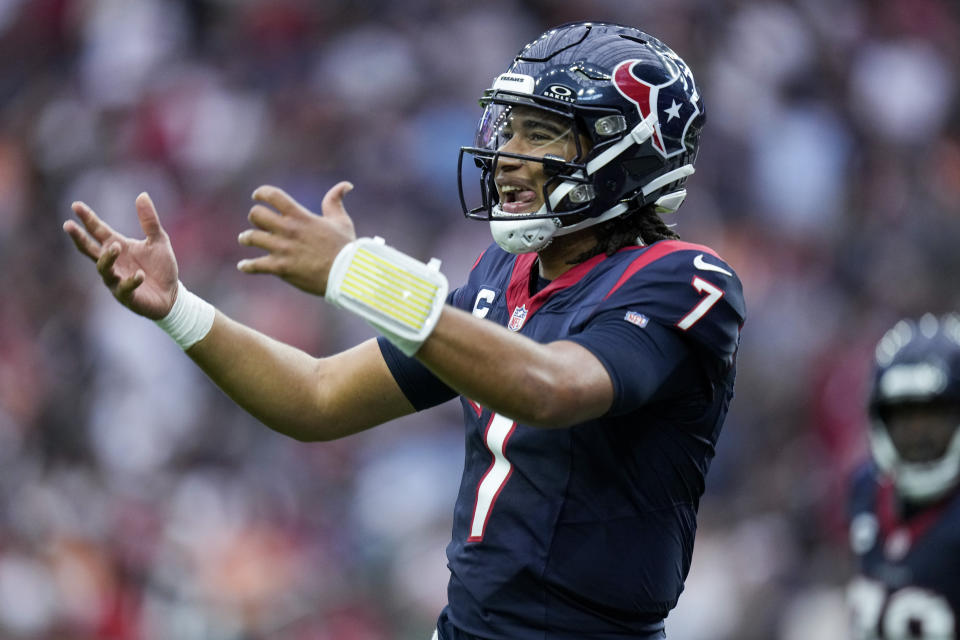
x=524, y=236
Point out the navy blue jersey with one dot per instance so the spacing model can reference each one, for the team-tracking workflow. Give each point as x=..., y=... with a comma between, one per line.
x=908, y=585
x=588, y=531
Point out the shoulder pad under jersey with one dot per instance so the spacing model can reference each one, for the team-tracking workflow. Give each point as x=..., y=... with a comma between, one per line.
x=686, y=286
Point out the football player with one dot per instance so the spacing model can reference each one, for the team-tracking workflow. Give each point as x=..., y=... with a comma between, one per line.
x=905, y=509
x=593, y=351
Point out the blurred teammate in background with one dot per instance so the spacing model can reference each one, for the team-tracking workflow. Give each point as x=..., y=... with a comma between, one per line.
x=593, y=352
x=905, y=509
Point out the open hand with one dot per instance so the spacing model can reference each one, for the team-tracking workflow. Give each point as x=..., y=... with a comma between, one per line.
x=300, y=245
x=141, y=274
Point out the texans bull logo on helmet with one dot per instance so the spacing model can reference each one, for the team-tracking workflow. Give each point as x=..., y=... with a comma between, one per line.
x=673, y=118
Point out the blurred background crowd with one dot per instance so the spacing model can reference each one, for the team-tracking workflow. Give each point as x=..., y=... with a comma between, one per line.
x=136, y=502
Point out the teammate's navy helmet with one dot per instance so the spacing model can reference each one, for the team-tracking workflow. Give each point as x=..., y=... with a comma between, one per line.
x=917, y=364
x=629, y=94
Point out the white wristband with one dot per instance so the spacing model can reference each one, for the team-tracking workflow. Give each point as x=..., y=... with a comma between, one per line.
x=189, y=319
x=399, y=296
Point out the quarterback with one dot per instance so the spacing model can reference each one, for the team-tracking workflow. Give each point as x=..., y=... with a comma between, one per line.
x=593, y=351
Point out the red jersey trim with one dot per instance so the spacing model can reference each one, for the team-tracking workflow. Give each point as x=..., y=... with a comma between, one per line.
x=475, y=406
x=654, y=253
x=518, y=291
x=479, y=258
x=890, y=520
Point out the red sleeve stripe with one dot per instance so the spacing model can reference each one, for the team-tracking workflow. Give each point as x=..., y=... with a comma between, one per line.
x=654, y=253
x=479, y=258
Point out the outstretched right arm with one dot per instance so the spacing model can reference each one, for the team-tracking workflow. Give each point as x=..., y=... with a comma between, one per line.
x=290, y=391
x=294, y=393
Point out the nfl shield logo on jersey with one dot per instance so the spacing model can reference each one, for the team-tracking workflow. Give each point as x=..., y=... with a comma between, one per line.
x=636, y=318
x=518, y=318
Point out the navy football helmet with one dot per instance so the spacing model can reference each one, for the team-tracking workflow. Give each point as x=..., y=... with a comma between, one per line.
x=918, y=368
x=628, y=94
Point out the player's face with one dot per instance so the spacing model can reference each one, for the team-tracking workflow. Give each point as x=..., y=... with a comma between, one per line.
x=922, y=432
x=531, y=132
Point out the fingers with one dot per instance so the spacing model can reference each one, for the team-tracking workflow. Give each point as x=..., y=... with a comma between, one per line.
x=280, y=200
x=260, y=239
x=264, y=264
x=127, y=286
x=94, y=225
x=265, y=237
x=84, y=243
x=265, y=218
x=149, y=220
x=106, y=261
x=332, y=204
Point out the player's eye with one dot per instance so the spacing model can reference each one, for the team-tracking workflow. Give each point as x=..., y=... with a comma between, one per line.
x=541, y=133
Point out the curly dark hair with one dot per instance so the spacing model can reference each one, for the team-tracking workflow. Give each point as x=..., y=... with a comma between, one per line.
x=644, y=224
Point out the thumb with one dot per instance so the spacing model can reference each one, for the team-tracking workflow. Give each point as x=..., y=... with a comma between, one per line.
x=149, y=220
x=332, y=204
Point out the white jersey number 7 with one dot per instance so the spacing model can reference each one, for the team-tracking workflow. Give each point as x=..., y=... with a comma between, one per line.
x=713, y=294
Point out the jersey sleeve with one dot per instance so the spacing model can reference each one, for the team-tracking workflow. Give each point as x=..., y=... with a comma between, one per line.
x=644, y=359
x=690, y=290
x=419, y=385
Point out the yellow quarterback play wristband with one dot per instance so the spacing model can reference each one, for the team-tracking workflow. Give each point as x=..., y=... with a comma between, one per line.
x=399, y=296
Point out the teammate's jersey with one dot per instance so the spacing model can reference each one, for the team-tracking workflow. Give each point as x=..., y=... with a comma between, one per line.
x=908, y=585
x=587, y=532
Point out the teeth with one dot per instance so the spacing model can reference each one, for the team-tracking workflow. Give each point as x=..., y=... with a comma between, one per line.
x=510, y=188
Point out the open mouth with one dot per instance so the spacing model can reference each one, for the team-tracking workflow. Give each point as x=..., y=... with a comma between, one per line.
x=517, y=199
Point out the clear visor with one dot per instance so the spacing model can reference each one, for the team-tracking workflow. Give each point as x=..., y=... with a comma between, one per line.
x=521, y=133
x=533, y=128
